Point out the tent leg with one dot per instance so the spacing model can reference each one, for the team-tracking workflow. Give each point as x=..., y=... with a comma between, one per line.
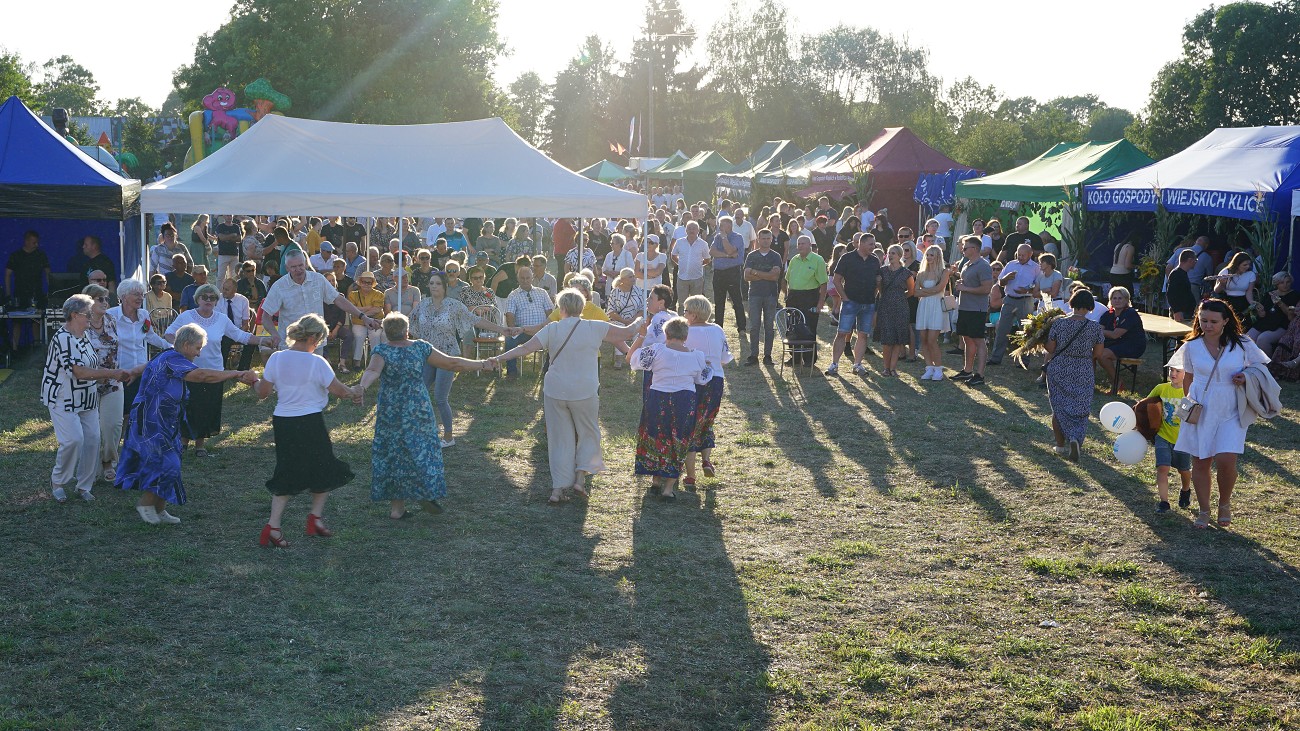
x=144, y=248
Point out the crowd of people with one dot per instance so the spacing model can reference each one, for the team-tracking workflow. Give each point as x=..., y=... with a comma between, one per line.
x=405, y=299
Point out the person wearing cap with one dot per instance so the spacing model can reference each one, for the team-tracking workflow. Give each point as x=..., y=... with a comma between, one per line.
x=324, y=260
x=650, y=264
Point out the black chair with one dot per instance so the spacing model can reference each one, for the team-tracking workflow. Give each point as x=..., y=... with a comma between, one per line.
x=789, y=323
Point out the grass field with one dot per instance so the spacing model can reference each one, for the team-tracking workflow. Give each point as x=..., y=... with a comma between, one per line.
x=874, y=554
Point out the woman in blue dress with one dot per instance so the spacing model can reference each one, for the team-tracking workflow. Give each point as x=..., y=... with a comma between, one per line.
x=151, y=458
x=406, y=459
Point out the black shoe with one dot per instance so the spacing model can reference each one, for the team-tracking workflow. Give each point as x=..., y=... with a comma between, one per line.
x=993, y=362
x=961, y=375
x=975, y=380
x=767, y=360
x=954, y=351
x=1163, y=507
x=751, y=360
x=1185, y=499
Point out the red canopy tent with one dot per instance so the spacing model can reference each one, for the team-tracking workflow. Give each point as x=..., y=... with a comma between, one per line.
x=895, y=158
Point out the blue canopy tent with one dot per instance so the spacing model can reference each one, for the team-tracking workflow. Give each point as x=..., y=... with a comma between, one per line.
x=50, y=186
x=1241, y=172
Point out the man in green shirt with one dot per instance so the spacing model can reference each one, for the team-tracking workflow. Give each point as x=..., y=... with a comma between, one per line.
x=805, y=289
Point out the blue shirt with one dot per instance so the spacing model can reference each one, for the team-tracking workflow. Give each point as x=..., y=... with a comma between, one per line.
x=721, y=262
x=455, y=240
x=187, y=297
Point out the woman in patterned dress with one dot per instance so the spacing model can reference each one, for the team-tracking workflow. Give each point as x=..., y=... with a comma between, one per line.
x=1073, y=343
x=710, y=340
x=625, y=304
x=406, y=458
x=445, y=323
x=897, y=283
x=668, y=416
x=70, y=389
x=151, y=457
x=103, y=338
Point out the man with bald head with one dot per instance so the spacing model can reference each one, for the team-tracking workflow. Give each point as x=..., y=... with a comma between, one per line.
x=1018, y=280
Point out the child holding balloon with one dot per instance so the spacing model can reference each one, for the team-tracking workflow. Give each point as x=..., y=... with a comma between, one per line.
x=1170, y=393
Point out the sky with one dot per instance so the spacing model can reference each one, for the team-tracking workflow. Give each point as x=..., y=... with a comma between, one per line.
x=1111, y=48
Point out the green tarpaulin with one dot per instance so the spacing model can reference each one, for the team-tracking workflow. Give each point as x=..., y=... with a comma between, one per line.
x=772, y=155
x=677, y=159
x=697, y=175
x=606, y=172
x=1068, y=164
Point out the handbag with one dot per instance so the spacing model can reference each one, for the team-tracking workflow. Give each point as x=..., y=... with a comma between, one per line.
x=1188, y=410
x=949, y=302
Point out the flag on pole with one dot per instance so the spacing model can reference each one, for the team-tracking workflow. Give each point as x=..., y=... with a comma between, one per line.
x=631, y=133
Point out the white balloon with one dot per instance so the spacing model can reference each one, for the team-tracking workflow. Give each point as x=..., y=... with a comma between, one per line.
x=1130, y=447
x=1118, y=417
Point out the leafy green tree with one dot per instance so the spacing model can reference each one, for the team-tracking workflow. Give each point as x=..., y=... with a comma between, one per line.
x=526, y=104
x=583, y=118
x=15, y=78
x=380, y=61
x=666, y=96
x=1107, y=124
x=755, y=76
x=1237, y=69
x=66, y=83
x=992, y=144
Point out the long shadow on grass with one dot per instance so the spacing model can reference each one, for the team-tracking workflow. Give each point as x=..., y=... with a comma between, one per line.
x=689, y=620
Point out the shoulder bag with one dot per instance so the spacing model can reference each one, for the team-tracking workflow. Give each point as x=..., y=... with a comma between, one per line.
x=1188, y=410
x=556, y=354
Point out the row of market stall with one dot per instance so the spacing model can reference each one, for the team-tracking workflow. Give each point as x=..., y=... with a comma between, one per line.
x=1250, y=174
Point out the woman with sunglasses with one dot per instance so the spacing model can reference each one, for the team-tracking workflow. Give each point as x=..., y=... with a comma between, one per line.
x=202, y=415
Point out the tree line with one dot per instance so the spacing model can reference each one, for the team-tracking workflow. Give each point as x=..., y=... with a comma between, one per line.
x=749, y=78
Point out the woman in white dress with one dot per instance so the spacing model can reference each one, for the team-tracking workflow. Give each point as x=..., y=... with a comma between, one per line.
x=1212, y=360
x=932, y=284
x=709, y=339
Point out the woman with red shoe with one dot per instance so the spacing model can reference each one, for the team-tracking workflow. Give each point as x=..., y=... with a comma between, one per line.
x=304, y=455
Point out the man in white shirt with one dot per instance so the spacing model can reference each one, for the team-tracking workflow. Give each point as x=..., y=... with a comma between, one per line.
x=527, y=307
x=302, y=292
x=650, y=264
x=435, y=230
x=866, y=218
x=235, y=306
x=1017, y=280
x=742, y=226
x=323, y=261
x=691, y=254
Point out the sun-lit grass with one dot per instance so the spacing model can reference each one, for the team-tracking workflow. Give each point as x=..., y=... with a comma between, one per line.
x=873, y=554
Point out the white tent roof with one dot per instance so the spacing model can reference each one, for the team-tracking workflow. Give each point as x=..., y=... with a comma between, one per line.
x=479, y=168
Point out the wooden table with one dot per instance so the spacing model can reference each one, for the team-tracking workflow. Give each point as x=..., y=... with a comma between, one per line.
x=1168, y=331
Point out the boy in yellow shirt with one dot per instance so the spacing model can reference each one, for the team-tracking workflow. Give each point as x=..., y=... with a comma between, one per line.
x=1169, y=394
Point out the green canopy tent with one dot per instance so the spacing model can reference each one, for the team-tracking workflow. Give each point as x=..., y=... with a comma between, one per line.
x=1056, y=176
x=606, y=172
x=738, y=182
x=697, y=175
x=678, y=158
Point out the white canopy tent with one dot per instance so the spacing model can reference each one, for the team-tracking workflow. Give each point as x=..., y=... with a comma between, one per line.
x=306, y=167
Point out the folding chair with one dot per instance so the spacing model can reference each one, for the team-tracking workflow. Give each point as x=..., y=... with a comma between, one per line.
x=788, y=318
x=161, y=318
x=487, y=341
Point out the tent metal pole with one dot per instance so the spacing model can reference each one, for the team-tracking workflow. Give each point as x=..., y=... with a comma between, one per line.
x=579, y=263
x=121, y=251
x=401, y=257
x=144, y=248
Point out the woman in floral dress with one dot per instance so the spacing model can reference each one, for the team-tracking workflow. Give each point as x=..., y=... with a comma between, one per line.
x=406, y=457
x=1073, y=343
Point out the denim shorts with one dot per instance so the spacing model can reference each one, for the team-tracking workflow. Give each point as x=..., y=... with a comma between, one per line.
x=855, y=316
x=1167, y=456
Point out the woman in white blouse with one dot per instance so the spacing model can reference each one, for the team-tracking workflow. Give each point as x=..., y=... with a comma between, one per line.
x=1212, y=361
x=202, y=416
x=1236, y=282
x=444, y=323
x=570, y=392
x=70, y=390
x=710, y=340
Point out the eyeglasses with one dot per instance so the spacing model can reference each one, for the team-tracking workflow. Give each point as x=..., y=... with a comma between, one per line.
x=208, y=298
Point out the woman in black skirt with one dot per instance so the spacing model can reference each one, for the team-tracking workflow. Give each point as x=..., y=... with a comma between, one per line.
x=304, y=455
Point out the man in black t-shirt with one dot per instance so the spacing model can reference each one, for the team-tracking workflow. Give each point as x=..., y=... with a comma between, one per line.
x=91, y=258
x=1020, y=236
x=27, y=273
x=229, y=237
x=857, y=278
x=336, y=234
x=353, y=231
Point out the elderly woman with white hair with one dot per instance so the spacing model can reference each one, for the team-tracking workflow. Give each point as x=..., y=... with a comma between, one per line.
x=570, y=391
x=626, y=302
x=151, y=457
x=70, y=388
x=103, y=337
x=203, y=410
x=135, y=334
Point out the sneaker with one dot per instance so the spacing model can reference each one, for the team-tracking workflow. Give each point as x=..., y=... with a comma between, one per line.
x=447, y=442
x=833, y=370
x=938, y=374
x=751, y=360
x=148, y=514
x=975, y=380
x=962, y=375
x=85, y=495
x=1163, y=507
x=109, y=475
x=166, y=517
x=1061, y=451
x=1185, y=499
x=60, y=495
x=929, y=371
x=859, y=369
